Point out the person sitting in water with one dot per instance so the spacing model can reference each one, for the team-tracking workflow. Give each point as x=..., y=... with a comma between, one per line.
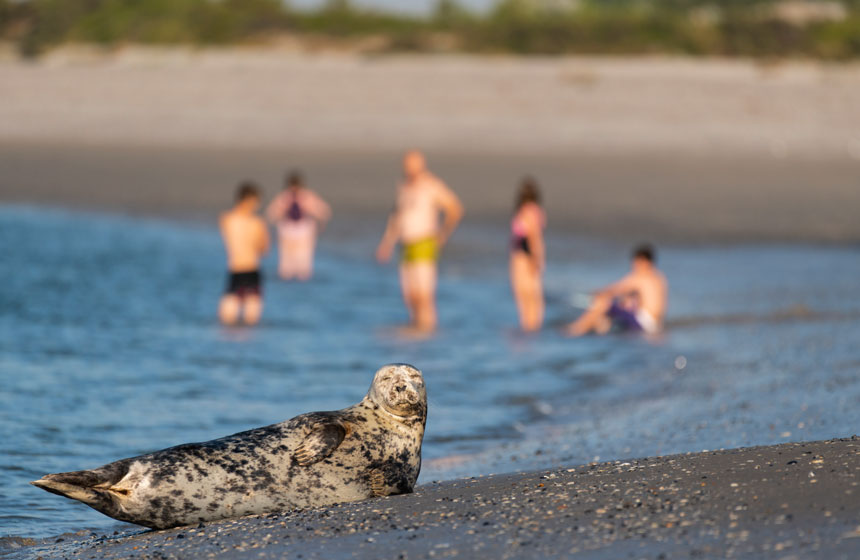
x=246, y=240
x=637, y=302
x=527, y=256
x=415, y=223
x=298, y=213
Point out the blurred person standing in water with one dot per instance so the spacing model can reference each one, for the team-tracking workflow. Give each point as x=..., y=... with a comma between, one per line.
x=414, y=222
x=528, y=256
x=246, y=240
x=637, y=302
x=297, y=213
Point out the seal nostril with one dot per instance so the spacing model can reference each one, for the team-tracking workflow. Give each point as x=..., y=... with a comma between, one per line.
x=400, y=388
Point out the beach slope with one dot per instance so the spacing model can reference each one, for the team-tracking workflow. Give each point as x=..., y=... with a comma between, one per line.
x=785, y=501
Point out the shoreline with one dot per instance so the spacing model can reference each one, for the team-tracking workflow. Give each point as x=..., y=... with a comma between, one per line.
x=768, y=502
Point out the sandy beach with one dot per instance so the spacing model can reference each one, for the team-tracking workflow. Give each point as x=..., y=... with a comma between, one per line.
x=741, y=171
x=787, y=501
x=670, y=149
x=352, y=103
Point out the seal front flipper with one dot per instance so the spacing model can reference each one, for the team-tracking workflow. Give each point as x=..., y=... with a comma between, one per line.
x=388, y=481
x=377, y=483
x=321, y=442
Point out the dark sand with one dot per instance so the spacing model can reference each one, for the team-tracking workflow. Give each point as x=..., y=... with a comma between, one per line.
x=796, y=500
x=666, y=198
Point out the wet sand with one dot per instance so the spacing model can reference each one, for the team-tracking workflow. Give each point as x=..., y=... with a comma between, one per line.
x=793, y=500
x=627, y=197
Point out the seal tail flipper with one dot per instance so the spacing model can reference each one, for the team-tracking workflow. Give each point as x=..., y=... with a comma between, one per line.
x=75, y=485
x=93, y=487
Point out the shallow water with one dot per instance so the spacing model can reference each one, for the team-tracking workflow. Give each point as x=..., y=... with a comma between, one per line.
x=109, y=348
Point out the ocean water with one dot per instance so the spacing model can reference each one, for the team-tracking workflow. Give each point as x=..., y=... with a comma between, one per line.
x=109, y=348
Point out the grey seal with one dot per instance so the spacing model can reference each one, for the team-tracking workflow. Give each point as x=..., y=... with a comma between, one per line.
x=317, y=459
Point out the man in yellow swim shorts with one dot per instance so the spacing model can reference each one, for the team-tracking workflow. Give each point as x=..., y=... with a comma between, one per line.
x=423, y=250
x=421, y=198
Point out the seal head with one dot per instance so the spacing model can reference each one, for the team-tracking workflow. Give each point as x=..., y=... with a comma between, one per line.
x=399, y=389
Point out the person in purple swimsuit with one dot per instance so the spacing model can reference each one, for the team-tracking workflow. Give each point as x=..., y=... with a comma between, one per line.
x=298, y=213
x=637, y=302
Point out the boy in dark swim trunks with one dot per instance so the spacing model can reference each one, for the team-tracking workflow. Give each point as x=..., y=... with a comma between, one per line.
x=246, y=240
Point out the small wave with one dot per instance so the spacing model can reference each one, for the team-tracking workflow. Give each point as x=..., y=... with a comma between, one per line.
x=449, y=462
x=487, y=435
x=8, y=544
x=791, y=314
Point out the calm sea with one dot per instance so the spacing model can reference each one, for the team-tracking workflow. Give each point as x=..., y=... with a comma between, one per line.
x=109, y=348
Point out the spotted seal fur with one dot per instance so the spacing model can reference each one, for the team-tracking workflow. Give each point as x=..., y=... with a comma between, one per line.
x=370, y=449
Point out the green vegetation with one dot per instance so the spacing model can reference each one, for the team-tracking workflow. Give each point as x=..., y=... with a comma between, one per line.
x=827, y=29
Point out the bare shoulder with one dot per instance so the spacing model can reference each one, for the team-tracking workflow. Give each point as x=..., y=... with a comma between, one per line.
x=436, y=183
x=651, y=278
x=317, y=198
x=441, y=192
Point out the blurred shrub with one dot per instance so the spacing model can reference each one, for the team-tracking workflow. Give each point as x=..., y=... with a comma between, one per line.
x=701, y=27
x=108, y=22
x=838, y=40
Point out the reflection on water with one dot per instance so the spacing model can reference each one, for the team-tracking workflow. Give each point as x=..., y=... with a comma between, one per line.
x=109, y=348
